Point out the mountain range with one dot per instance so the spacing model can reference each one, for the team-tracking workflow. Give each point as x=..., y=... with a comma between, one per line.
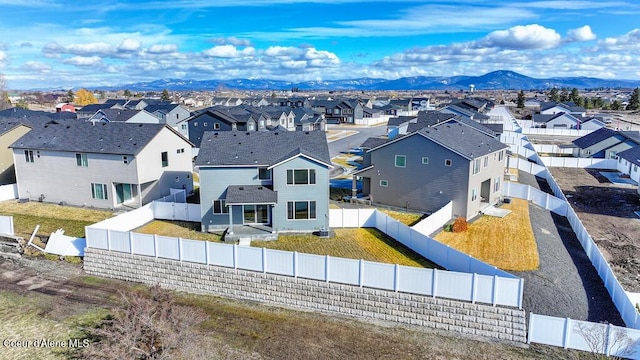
x=496, y=80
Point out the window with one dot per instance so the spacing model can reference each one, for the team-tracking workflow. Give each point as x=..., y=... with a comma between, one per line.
x=612, y=155
x=635, y=168
x=250, y=126
x=301, y=177
x=125, y=160
x=301, y=210
x=401, y=161
x=184, y=126
x=81, y=160
x=28, y=155
x=99, y=191
x=501, y=155
x=219, y=207
x=384, y=183
x=204, y=124
x=447, y=162
x=264, y=174
x=425, y=160
x=486, y=161
x=216, y=126
x=195, y=124
x=165, y=159
x=496, y=184
x=587, y=152
x=474, y=194
x=180, y=151
x=476, y=166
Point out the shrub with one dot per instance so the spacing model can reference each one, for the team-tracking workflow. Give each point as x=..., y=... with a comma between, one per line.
x=460, y=225
x=447, y=227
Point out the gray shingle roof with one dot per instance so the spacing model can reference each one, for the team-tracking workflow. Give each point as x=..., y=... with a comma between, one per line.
x=631, y=135
x=106, y=138
x=429, y=118
x=265, y=148
x=459, y=138
x=119, y=115
x=632, y=155
x=373, y=142
x=474, y=124
x=250, y=194
x=594, y=137
x=399, y=120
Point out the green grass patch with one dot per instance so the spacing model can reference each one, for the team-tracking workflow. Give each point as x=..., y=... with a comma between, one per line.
x=361, y=243
x=405, y=217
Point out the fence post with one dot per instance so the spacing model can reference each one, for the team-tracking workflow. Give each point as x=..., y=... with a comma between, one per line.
x=434, y=282
x=360, y=270
x=326, y=268
x=567, y=333
x=206, y=252
x=474, y=287
x=607, y=344
x=494, y=295
x=264, y=260
x=130, y=242
x=180, y=248
x=235, y=256
x=295, y=264
x=531, y=317
x=109, y=239
x=396, y=277
x=155, y=245
x=520, y=292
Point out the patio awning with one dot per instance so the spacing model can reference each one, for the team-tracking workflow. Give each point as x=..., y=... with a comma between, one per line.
x=250, y=194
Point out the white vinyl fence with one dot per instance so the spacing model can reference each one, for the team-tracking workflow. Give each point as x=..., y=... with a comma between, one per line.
x=8, y=192
x=620, y=299
x=552, y=149
x=175, y=195
x=493, y=290
x=604, y=339
x=176, y=211
x=6, y=225
x=572, y=162
x=435, y=221
x=538, y=197
x=556, y=132
x=439, y=253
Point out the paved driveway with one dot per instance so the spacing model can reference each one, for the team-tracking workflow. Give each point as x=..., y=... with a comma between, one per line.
x=566, y=285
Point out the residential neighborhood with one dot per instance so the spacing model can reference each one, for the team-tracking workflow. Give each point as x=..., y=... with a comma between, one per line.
x=250, y=174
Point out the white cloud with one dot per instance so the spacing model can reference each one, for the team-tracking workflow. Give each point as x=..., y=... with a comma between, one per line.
x=627, y=42
x=163, y=48
x=84, y=61
x=583, y=33
x=229, y=51
x=3, y=57
x=130, y=45
x=37, y=66
x=523, y=37
x=231, y=40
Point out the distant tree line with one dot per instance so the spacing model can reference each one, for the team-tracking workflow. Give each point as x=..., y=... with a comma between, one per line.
x=564, y=94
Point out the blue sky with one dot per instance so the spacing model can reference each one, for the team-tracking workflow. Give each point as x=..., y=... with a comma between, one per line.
x=51, y=43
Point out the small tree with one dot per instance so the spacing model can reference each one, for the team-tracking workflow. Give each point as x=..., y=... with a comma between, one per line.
x=127, y=93
x=615, y=105
x=575, y=95
x=521, y=99
x=553, y=95
x=5, y=103
x=602, y=338
x=165, y=95
x=70, y=96
x=85, y=97
x=145, y=327
x=634, y=100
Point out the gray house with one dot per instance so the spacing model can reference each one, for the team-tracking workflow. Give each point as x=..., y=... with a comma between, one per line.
x=106, y=165
x=605, y=143
x=274, y=181
x=426, y=169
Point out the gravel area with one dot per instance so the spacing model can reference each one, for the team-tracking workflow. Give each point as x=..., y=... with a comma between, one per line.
x=566, y=284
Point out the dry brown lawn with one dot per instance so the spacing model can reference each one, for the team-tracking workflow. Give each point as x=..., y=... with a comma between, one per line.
x=507, y=243
x=407, y=218
x=183, y=229
x=361, y=243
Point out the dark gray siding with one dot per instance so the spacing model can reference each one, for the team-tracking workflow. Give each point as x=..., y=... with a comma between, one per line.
x=423, y=187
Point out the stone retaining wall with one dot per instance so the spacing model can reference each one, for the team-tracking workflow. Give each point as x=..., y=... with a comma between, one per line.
x=482, y=320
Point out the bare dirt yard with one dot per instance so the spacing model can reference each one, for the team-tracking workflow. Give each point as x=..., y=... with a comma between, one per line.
x=42, y=299
x=607, y=211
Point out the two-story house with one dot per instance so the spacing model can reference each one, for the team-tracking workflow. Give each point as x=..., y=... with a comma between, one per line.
x=273, y=180
x=10, y=131
x=106, y=165
x=170, y=114
x=215, y=119
x=123, y=115
x=426, y=169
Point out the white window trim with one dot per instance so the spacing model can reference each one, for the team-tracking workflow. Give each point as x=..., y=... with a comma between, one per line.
x=308, y=210
x=223, y=207
x=449, y=161
x=395, y=161
x=386, y=183
x=425, y=162
x=293, y=179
